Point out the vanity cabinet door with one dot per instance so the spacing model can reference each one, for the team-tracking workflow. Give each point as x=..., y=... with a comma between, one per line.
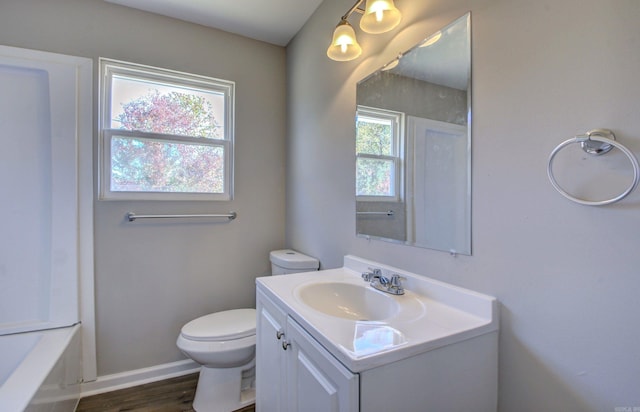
x=317, y=382
x=270, y=357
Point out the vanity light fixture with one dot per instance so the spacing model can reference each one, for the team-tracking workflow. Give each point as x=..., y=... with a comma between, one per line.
x=344, y=46
x=378, y=16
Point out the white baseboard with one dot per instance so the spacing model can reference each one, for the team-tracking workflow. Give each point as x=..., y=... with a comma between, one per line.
x=136, y=377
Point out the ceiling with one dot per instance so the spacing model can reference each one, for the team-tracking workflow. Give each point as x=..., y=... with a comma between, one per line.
x=277, y=21
x=272, y=21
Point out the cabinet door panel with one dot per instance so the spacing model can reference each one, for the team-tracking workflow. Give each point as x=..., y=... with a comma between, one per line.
x=317, y=381
x=270, y=373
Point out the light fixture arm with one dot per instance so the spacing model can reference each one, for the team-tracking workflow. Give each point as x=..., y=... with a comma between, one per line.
x=356, y=8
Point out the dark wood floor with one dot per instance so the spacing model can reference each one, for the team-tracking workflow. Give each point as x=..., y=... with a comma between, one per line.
x=171, y=395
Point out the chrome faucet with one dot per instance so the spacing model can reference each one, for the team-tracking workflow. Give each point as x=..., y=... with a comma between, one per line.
x=384, y=284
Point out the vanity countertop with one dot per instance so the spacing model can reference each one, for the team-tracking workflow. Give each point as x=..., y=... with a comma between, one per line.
x=430, y=314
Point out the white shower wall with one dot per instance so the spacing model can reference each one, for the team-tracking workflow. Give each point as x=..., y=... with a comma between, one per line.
x=46, y=224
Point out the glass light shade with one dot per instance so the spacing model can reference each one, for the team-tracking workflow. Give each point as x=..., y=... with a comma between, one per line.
x=344, y=46
x=380, y=16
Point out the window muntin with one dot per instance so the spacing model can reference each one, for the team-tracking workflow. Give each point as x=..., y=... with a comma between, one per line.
x=378, y=154
x=165, y=135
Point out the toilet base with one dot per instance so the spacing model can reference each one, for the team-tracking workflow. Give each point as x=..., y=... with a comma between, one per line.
x=225, y=389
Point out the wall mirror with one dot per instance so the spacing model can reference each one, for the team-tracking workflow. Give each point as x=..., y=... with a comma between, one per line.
x=413, y=145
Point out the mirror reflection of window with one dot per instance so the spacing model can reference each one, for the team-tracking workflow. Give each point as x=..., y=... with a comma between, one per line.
x=378, y=154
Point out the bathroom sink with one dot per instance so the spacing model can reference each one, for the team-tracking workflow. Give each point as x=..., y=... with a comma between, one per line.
x=347, y=301
x=365, y=328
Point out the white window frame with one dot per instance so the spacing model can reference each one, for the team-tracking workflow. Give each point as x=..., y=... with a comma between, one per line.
x=109, y=68
x=397, y=129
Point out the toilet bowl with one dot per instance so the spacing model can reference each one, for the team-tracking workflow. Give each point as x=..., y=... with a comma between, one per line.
x=224, y=344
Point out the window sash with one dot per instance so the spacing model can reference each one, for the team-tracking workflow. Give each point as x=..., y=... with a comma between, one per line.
x=395, y=180
x=106, y=171
x=392, y=148
x=109, y=68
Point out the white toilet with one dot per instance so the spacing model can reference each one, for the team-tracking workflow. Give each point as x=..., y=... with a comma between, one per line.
x=224, y=344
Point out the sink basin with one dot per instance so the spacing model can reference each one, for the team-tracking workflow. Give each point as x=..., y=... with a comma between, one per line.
x=347, y=301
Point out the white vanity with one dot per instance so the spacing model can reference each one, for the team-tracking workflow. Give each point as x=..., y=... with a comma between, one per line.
x=328, y=341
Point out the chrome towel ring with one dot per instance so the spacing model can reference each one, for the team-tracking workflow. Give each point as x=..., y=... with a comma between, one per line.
x=596, y=142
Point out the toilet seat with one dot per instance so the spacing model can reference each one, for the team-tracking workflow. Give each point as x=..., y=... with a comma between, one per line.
x=221, y=326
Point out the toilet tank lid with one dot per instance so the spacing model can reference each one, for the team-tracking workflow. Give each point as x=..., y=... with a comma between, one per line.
x=225, y=325
x=291, y=259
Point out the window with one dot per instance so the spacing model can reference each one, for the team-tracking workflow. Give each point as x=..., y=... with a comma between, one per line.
x=378, y=154
x=165, y=135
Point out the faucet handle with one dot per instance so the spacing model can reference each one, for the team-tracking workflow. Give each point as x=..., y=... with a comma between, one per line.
x=368, y=276
x=396, y=280
x=396, y=284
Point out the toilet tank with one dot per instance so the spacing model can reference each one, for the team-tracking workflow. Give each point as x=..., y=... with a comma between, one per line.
x=289, y=261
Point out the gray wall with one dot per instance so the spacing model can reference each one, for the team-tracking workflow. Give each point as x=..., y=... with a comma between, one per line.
x=567, y=276
x=152, y=277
